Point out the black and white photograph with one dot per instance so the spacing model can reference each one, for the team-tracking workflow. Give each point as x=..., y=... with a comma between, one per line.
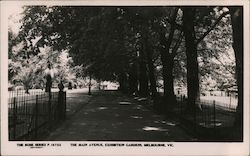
x=124, y=76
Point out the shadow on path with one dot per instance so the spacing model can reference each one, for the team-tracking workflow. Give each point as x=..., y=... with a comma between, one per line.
x=112, y=116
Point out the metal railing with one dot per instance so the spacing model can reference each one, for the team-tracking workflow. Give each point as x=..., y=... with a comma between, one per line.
x=32, y=115
x=208, y=113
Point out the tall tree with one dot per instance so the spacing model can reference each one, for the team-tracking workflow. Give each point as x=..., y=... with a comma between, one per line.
x=191, y=53
x=237, y=25
x=151, y=68
x=167, y=57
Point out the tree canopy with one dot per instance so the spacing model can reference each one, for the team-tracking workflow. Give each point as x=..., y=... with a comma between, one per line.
x=142, y=48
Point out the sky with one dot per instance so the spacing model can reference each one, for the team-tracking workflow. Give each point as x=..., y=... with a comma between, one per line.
x=14, y=15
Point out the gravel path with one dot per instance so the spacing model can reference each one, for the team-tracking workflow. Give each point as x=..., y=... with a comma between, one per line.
x=112, y=116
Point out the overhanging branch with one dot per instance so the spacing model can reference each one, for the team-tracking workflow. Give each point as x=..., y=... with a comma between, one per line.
x=177, y=45
x=211, y=28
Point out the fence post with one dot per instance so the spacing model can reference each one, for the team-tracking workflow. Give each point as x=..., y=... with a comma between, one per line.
x=181, y=103
x=64, y=105
x=61, y=106
x=230, y=100
x=36, y=116
x=49, y=111
x=214, y=114
x=195, y=115
x=61, y=101
x=14, y=118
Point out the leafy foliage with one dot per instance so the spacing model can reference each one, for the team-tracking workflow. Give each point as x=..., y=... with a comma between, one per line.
x=105, y=41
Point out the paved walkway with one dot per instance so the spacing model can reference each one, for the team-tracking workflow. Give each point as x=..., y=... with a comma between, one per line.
x=112, y=116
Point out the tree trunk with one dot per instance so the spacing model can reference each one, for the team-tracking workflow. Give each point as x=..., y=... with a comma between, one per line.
x=167, y=60
x=237, y=26
x=170, y=79
x=167, y=73
x=191, y=53
x=89, y=93
x=151, y=68
x=143, y=77
x=123, y=82
x=164, y=63
x=133, y=79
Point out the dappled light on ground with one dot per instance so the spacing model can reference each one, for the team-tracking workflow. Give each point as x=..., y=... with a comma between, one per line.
x=102, y=108
x=82, y=124
x=125, y=103
x=136, y=117
x=170, y=123
x=115, y=117
x=138, y=107
x=147, y=128
x=163, y=122
x=142, y=99
x=210, y=124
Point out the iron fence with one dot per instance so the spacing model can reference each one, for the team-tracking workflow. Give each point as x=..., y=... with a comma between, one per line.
x=32, y=114
x=208, y=113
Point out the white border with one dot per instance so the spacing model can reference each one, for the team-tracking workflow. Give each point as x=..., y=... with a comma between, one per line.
x=184, y=148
